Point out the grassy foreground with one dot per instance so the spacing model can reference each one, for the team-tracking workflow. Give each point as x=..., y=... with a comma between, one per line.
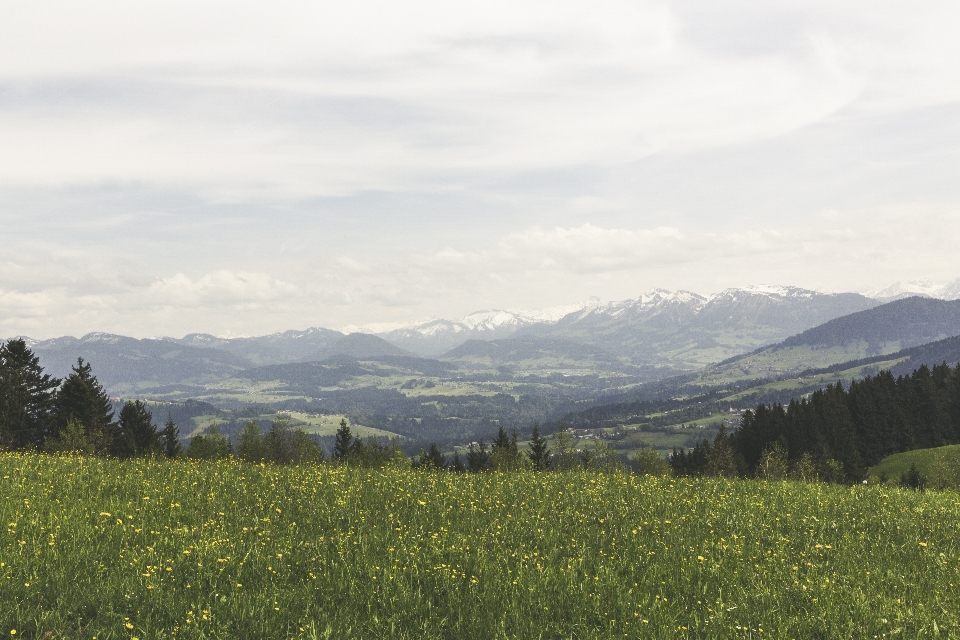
x=150, y=549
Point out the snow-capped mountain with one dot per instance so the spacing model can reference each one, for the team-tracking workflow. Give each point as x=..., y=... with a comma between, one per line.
x=640, y=325
x=924, y=288
x=433, y=337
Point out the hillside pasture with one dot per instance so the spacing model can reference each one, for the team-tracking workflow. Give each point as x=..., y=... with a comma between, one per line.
x=156, y=549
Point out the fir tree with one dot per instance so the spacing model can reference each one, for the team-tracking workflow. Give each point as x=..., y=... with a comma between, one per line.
x=26, y=397
x=341, y=446
x=250, y=443
x=136, y=435
x=435, y=457
x=539, y=453
x=82, y=398
x=170, y=439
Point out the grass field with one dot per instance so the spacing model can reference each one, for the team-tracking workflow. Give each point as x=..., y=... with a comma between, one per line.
x=892, y=466
x=146, y=549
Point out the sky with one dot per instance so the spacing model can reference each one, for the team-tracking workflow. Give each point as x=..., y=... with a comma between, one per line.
x=240, y=168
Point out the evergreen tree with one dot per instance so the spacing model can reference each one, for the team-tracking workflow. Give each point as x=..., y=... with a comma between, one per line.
x=250, y=443
x=539, y=453
x=478, y=459
x=26, y=397
x=170, y=439
x=341, y=446
x=82, y=398
x=721, y=461
x=457, y=464
x=435, y=457
x=136, y=435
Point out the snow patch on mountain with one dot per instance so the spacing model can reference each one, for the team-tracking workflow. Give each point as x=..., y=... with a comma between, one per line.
x=922, y=287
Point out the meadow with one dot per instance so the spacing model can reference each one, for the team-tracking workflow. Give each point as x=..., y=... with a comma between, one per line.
x=150, y=549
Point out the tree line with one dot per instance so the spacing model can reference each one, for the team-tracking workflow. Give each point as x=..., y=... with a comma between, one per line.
x=40, y=412
x=836, y=433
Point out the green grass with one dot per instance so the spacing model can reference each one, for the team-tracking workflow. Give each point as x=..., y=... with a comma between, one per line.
x=145, y=549
x=898, y=463
x=327, y=425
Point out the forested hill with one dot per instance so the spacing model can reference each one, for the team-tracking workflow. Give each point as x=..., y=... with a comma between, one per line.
x=908, y=322
x=877, y=416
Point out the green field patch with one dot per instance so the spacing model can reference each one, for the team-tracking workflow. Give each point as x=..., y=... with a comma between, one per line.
x=893, y=466
x=155, y=549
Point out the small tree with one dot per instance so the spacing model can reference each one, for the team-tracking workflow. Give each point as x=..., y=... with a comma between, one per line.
x=539, y=454
x=477, y=457
x=721, y=459
x=250, y=446
x=457, y=465
x=136, y=435
x=73, y=438
x=341, y=446
x=170, y=439
x=912, y=479
x=805, y=469
x=565, y=457
x=604, y=459
x=506, y=455
x=773, y=463
x=212, y=445
x=432, y=459
x=944, y=472
x=650, y=463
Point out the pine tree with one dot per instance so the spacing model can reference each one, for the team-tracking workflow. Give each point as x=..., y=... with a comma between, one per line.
x=250, y=443
x=170, y=439
x=457, y=464
x=539, y=453
x=136, y=435
x=26, y=397
x=435, y=457
x=82, y=398
x=341, y=446
x=478, y=459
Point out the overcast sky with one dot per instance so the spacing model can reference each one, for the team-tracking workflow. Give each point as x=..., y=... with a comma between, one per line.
x=241, y=168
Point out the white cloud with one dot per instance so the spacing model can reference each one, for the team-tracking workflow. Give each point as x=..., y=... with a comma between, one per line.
x=297, y=99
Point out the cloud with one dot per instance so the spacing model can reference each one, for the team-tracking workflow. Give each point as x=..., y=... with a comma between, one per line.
x=298, y=101
x=219, y=288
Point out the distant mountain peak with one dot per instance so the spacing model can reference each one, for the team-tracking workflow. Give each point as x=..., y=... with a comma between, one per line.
x=922, y=287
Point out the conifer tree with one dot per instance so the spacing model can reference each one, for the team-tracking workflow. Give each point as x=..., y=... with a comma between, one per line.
x=435, y=457
x=341, y=446
x=457, y=464
x=539, y=453
x=26, y=397
x=82, y=398
x=250, y=443
x=136, y=435
x=170, y=439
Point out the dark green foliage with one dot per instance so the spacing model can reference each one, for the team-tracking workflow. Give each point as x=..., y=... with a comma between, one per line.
x=82, y=398
x=211, y=445
x=432, y=459
x=457, y=464
x=136, y=435
x=911, y=479
x=283, y=445
x=848, y=430
x=478, y=458
x=170, y=439
x=344, y=440
x=539, y=452
x=250, y=443
x=26, y=397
